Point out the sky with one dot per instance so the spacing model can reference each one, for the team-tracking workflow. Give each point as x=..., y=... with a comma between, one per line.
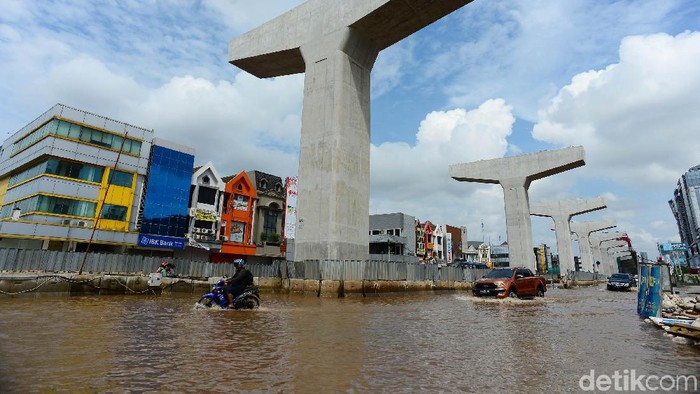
x=491, y=80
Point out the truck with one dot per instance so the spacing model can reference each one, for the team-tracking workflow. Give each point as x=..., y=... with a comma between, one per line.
x=515, y=282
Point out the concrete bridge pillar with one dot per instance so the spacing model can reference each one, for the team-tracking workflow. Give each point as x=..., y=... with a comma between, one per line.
x=335, y=43
x=582, y=231
x=561, y=212
x=597, y=239
x=515, y=174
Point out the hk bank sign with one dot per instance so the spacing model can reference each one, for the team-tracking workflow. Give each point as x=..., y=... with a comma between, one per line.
x=158, y=242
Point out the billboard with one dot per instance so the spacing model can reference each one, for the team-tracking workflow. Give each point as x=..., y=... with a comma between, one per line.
x=668, y=247
x=448, y=237
x=674, y=253
x=237, y=230
x=290, y=212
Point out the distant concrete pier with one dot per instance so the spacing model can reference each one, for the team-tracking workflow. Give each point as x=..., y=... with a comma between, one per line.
x=515, y=174
x=583, y=231
x=561, y=212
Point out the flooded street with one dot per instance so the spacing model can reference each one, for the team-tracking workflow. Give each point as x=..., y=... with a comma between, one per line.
x=448, y=342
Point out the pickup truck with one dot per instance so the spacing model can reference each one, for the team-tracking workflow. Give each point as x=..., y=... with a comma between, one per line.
x=512, y=282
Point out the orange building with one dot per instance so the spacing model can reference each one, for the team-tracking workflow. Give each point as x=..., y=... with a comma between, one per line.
x=424, y=240
x=237, y=217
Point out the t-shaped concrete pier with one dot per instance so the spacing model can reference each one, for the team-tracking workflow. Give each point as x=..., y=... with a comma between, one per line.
x=561, y=212
x=609, y=248
x=335, y=43
x=582, y=231
x=515, y=174
x=597, y=239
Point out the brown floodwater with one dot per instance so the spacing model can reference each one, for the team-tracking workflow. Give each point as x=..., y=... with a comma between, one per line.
x=431, y=342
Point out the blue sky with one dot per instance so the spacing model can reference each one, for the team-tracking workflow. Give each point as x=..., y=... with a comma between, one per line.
x=494, y=79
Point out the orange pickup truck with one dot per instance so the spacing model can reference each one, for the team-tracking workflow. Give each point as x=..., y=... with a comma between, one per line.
x=513, y=282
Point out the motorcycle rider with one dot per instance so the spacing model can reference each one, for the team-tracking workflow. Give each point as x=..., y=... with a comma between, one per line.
x=166, y=269
x=241, y=279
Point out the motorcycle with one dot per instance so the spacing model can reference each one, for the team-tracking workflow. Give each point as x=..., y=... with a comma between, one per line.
x=249, y=299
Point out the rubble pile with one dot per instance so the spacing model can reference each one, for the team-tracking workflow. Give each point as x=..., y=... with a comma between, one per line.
x=675, y=306
x=687, y=310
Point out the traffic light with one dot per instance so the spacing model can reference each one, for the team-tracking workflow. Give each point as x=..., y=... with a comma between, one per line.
x=577, y=263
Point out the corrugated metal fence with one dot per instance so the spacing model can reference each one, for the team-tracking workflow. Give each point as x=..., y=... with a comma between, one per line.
x=24, y=260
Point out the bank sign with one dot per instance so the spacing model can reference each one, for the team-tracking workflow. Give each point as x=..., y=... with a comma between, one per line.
x=155, y=241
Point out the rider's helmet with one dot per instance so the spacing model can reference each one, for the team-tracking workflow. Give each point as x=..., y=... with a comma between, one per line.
x=163, y=263
x=239, y=263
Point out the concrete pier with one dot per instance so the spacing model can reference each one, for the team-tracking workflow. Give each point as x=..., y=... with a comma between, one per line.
x=597, y=239
x=335, y=43
x=610, y=247
x=582, y=231
x=561, y=212
x=515, y=174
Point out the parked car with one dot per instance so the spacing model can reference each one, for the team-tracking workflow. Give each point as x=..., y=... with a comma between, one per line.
x=513, y=282
x=468, y=264
x=620, y=281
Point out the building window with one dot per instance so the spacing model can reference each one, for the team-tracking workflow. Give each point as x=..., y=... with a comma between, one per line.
x=203, y=224
x=278, y=188
x=81, y=133
x=263, y=184
x=240, y=203
x=66, y=206
x=52, y=205
x=114, y=212
x=53, y=166
x=270, y=222
x=207, y=195
x=27, y=174
x=225, y=206
x=376, y=232
x=120, y=178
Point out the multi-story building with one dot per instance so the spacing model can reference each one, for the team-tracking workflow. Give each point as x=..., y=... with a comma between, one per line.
x=163, y=220
x=439, y=243
x=500, y=256
x=236, y=231
x=235, y=216
x=543, y=258
x=456, y=243
x=268, y=214
x=471, y=253
x=392, y=237
x=425, y=241
x=71, y=180
x=205, y=207
x=685, y=206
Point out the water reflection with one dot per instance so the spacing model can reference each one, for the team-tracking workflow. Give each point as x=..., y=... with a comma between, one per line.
x=400, y=343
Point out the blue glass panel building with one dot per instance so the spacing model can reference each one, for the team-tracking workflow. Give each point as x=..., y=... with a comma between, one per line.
x=685, y=206
x=165, y=208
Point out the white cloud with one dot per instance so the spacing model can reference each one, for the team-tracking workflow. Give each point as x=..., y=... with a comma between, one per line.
x=415, y=179
x=632, y=117
x=521, y=51
x=233, y=124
